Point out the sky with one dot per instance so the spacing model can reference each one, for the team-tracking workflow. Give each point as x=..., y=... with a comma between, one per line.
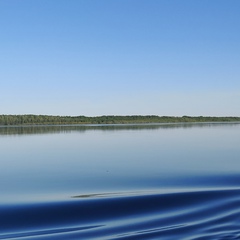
x=120, y=57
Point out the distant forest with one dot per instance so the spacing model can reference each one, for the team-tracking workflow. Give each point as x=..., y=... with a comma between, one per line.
x=59, y=120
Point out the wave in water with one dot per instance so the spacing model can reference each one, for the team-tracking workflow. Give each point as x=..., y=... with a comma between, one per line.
x=202, y=214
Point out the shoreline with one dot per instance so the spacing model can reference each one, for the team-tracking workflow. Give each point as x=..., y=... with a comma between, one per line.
x=30, y=119
x=23, y=120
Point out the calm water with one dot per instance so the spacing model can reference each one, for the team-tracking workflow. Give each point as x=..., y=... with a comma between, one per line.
x=168, y=181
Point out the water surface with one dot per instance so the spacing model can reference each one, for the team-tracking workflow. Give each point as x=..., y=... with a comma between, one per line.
x=159, y=181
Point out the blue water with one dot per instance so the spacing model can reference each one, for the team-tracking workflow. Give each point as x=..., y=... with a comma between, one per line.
x=162, y=181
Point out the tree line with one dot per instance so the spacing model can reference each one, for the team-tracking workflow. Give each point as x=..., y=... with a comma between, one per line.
x=30, y=119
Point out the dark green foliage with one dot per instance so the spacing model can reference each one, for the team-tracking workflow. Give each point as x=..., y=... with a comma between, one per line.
x=59, y=120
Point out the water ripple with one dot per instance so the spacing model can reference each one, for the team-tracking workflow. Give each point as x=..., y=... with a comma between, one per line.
x=187, y=215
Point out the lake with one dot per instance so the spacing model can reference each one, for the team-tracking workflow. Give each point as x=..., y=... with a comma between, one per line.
x=149, y=181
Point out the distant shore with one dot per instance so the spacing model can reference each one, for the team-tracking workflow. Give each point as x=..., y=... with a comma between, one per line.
x=30, y=119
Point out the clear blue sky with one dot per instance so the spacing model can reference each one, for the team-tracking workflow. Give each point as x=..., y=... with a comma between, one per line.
x=120, y=57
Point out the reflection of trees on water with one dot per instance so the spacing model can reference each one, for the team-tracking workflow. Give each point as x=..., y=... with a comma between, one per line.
x=25, y=130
